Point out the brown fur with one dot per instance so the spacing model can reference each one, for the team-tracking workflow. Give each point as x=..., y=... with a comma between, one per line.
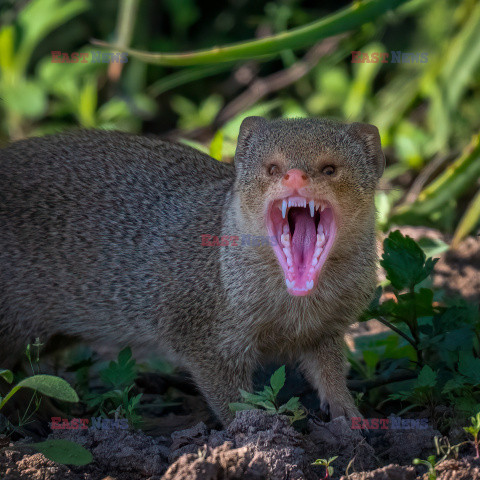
x=101, y=238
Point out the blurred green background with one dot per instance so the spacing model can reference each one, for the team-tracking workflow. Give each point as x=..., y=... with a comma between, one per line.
x=428, y=113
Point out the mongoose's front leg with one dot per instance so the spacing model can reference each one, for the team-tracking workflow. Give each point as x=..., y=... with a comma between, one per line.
x=325, y=368
x=220, y=379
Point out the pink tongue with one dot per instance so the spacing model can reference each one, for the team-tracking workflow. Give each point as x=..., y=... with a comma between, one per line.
x=304, y=237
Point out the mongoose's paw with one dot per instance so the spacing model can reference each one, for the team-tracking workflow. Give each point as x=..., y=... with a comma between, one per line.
x=345, y=409
x=304, y=229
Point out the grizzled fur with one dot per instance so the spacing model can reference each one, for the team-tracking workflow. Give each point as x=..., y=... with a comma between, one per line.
x=101, y=238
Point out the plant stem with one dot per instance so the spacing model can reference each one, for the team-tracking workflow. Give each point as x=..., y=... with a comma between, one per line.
x=413, y=325
x=397, y=330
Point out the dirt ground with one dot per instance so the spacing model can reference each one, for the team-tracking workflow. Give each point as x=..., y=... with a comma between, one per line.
x=187, y=443
x=256, y=445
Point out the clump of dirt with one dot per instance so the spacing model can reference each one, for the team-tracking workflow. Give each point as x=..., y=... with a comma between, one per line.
x=338, y=438
x=463, y=469
x=399, y=446
x=390, y=472
x=256, y=445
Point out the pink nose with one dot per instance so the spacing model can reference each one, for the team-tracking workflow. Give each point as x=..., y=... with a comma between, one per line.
x=295, y=178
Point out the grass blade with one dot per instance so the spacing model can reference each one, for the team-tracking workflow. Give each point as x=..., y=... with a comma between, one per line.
x=342, y=21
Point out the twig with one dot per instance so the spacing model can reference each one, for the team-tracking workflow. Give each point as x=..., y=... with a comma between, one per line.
x=262, y=87
x=397, y=330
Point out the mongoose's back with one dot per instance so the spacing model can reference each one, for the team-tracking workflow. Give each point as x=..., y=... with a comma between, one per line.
x=98, y=233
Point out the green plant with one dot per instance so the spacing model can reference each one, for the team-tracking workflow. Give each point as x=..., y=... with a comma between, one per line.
x=430, y=463
x=119, y=377
x=435, y=346
x=267, y=399
x=473, y=431
x=61, y=451
x=326, y=464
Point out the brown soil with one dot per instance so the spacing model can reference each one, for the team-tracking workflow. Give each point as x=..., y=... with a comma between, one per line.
x=255, y=446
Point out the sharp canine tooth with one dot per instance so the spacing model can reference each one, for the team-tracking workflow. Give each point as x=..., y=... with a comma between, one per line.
x=311, y=203
x=284, y=208
x=289, y=283
x=309, y=285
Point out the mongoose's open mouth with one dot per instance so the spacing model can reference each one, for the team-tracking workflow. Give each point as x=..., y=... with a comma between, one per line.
x=305, y=231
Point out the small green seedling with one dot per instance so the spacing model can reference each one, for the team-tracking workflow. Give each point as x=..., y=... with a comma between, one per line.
x=326, y=464
x=474, y=430
x=119, y=376
x=61, y=451
x=267, y=399
x=430, y=463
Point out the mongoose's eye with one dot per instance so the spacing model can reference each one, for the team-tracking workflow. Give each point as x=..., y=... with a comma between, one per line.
x=273, y=169
x=328, y=170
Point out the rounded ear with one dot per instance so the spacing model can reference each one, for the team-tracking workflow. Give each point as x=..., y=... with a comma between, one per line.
x=370, y=138
x=249, y=126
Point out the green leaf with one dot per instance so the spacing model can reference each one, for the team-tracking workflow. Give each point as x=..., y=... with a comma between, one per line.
x=64, y=451
x=122, y=373
x=253, y=398
x=426, y=378
x=49, y=385
x=293, y=404
x=268, y=405
x=277, y=380
x=420, y=304
x=216, y=145
x=456, y=383
x=7, y=375
x=469, y=366
x=404, y=261
x=460, y=339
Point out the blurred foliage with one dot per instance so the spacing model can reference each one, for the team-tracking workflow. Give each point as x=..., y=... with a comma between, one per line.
x=427, y=113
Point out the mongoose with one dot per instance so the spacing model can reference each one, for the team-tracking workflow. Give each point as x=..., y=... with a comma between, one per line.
x=121, y=238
